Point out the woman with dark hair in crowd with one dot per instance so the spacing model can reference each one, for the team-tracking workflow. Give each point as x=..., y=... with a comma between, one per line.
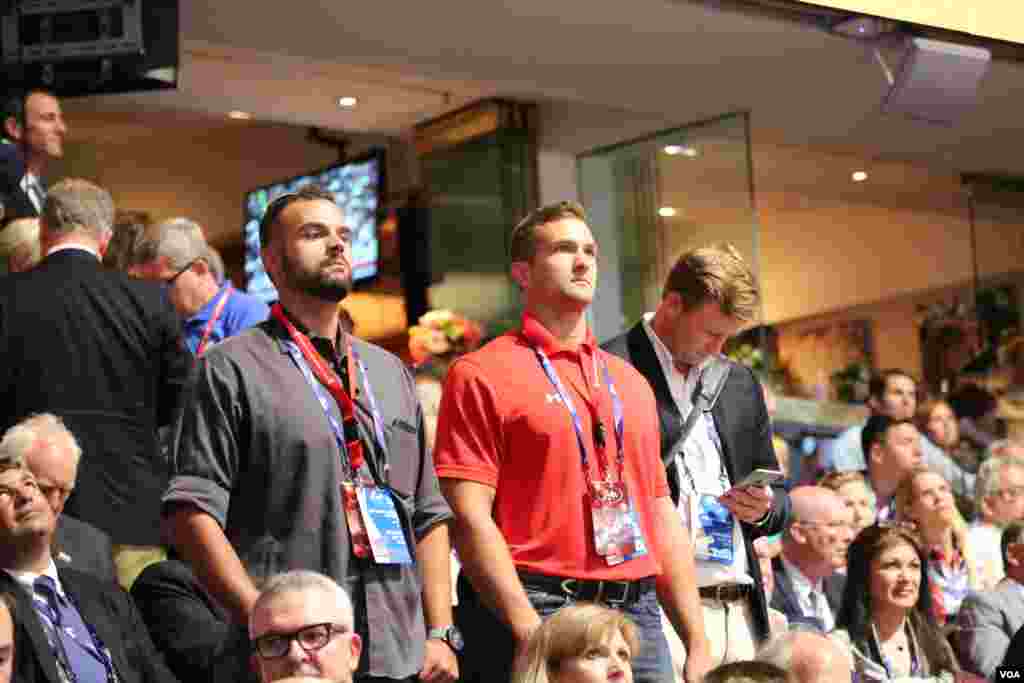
x=975, y=408
x=924, y=499
x=936, y=420
x=885, y=619
x=581, y=643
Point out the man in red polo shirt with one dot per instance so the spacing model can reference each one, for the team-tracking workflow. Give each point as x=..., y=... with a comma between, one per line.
x=548, y=453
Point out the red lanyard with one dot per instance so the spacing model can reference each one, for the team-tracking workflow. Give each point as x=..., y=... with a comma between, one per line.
x=213, y=319
x=329, y=378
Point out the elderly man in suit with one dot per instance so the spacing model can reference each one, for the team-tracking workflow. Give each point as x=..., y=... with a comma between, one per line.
x=989, y=619
x=105, y=353
x=710, y=295
x=70, y=626
x=52, y=454
x=807, y=588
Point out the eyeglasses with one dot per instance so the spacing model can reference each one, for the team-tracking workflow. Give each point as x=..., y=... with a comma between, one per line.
x=310, y=638
x=169, y=282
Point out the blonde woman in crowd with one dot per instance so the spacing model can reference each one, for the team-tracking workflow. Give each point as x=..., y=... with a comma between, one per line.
x=581, y=643
x=924, y=499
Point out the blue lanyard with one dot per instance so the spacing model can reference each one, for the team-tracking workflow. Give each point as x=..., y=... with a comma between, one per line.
x=577, y=423
x=323, y=397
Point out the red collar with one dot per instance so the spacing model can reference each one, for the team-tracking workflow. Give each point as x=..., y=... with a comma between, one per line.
x=537, y=335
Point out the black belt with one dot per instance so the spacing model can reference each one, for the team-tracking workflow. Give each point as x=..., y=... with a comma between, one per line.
x=726, y=592
x=612, y=593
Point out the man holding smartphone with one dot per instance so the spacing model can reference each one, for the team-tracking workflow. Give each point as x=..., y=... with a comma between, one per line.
x=710, y=295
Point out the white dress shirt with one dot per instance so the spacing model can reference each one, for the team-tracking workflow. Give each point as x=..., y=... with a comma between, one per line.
x=700, y=467
x=27, y=579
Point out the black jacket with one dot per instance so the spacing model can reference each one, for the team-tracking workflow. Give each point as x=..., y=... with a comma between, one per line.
x=784, y=598
x=742, y=423
x=105, y=607
x=105, y=353
x=82, y=546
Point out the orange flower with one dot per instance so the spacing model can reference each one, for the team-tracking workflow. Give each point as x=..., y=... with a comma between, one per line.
x=442, y=334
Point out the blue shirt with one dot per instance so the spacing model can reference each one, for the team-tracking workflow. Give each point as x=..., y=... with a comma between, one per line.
x=240, y=312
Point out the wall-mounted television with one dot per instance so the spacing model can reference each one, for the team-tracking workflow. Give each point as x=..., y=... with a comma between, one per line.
x=357, y=185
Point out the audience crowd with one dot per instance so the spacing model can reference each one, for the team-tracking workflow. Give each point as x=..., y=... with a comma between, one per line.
x=195, y=486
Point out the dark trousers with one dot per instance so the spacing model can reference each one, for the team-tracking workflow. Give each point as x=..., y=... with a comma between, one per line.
x=490, y=648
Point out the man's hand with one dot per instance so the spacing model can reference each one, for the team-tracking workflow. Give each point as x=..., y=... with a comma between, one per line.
x=439, y=663
x=750, y=503
x=698, y=663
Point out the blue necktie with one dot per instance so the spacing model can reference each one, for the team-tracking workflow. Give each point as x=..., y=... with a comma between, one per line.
x=47, y=600
x=73, y=643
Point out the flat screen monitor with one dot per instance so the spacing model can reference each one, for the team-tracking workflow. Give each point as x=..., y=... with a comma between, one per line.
x=357, y=186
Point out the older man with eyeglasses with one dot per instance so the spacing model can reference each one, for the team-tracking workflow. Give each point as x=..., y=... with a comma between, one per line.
x=989, y=619
x=176, y=254
x=1000, y=500
x=808, y=587
x=302, y=625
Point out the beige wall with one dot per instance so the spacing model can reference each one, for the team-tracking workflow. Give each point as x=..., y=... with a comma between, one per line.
x=184, y=166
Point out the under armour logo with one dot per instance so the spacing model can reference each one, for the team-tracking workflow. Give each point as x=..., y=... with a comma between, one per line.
x=553, y=398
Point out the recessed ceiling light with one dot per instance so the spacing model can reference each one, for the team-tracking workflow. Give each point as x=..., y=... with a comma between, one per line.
x=347, y=102
x=666, y=212
x=676, y=150
x=239, y=115
x=859, y=176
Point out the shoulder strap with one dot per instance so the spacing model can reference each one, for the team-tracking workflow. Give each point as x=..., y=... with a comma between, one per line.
x=705, y=395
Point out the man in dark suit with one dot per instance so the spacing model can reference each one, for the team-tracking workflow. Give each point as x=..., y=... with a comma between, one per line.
x=808, y=588
x=709, y=296
x=102, y=351
x=32, y=136
x=53, y=455
x=195, y=634
x=988, y=619
x=70, y=625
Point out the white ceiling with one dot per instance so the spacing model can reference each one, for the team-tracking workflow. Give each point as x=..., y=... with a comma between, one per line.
x=605, y=71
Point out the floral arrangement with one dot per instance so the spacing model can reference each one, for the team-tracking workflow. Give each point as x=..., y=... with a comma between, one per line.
x=442, y=335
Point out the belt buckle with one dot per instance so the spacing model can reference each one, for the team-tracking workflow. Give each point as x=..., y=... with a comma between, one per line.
x=571, y=592
x=623, y=598
x=720, y=590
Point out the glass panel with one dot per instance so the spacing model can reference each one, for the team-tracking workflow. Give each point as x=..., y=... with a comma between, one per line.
x=650, y=200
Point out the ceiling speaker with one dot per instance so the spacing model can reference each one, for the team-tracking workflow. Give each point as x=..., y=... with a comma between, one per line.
x=938, y=81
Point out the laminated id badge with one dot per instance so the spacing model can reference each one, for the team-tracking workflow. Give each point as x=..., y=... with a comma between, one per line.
x=383, y=526
x=616, y=531
x=712, y=528
x=356, y=528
